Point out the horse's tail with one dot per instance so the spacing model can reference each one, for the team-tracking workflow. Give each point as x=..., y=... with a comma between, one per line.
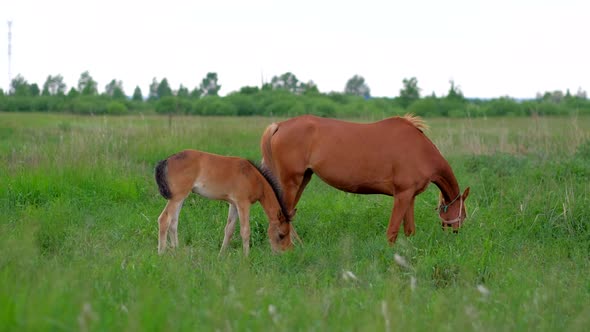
x=267, y=161
x=162, y=179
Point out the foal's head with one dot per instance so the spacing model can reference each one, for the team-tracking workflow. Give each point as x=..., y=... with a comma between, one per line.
x=279, y=227
x=453, y=213
x=279, y=232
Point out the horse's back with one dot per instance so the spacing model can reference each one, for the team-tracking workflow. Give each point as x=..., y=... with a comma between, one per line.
x=213, y=176
x=315, y=137
x=354, y=157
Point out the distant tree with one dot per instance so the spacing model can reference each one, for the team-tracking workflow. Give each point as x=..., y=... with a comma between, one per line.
x=581, y=94
x=182, y=92
x=164, y=89
x=19, y=86
x=210, y=85
x=34, y=90
x=137, y=95
x=2, y=94
x=249, y=90
x=115, y=90
x=153, y=94
x=555, y=97
x=288, y=81
x=410, y=92
x=266, y=87
x=54, y=86
x=356, y=86
x=87, y=86
x=73, y=93
x=455, y=92
x=309, y=88
x=196, y=93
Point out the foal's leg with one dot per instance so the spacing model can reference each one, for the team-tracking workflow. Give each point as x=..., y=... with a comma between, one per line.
x=244, y=214
x=409, y=226
x=401, y=204
x=169, y=212
x=173, y=231
x=232, y=215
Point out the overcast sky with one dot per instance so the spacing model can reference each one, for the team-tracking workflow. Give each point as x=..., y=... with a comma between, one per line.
x=489, y=48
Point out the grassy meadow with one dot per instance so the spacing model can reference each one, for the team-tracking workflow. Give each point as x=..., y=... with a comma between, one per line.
x=78, y=235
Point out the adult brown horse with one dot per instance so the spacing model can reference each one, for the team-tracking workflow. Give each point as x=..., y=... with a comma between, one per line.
x=391, y=157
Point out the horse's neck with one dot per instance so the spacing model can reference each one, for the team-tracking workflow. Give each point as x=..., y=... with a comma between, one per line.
x=446, y=181
x=268, y=200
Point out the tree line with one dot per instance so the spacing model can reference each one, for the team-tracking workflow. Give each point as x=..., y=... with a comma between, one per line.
x=284, y=95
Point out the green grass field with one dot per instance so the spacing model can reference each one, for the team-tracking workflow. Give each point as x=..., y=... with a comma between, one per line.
x=78, y=235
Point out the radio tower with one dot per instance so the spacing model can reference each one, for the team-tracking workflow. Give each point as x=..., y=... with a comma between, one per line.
x=9, y=54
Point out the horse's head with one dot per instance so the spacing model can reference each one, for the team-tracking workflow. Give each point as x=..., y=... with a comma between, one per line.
x=281, y=232
x=454, y=212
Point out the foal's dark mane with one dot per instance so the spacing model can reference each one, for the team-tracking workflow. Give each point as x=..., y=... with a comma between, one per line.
x=274, y=184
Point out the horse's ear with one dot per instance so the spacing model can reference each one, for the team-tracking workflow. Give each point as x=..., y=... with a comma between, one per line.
x=293, y=213
x=465, y=194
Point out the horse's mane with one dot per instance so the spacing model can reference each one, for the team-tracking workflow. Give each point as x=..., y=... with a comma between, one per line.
x=274, y=184
x=416, y=121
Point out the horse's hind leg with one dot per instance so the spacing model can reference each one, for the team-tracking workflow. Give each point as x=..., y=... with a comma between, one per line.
x=401, y=204
x=232, y=215
x=409, y=226
x=304, y=181
x=173, y=231
x=293, y=186
x=164, y=222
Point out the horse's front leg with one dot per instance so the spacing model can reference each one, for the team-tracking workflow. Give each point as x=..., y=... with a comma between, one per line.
x=232, y=215
x=244, y=214
x=401, y=203
x=409, y=225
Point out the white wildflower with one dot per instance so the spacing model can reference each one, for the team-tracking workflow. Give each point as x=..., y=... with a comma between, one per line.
x=483, y=290
x=401, y=261
x=348, y=275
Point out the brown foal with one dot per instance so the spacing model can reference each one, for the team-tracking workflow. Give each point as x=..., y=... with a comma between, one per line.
x=235, y=180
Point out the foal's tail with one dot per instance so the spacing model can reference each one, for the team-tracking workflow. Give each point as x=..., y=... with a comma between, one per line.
x=161, y=179
x=267, y=161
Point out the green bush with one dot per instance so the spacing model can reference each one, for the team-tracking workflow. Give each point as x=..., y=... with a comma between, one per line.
x=321, y=107
x=115, y=107
x=244, y=104
x=213, y=105
x=282, y=103
x=166, y=105
x=503, y=106
x=583, y=150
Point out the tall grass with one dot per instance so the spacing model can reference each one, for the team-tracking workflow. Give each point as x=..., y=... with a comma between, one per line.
x=78, y=235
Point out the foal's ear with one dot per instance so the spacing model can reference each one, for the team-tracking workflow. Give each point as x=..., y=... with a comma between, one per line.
x=465, y=193
x=293, y=213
